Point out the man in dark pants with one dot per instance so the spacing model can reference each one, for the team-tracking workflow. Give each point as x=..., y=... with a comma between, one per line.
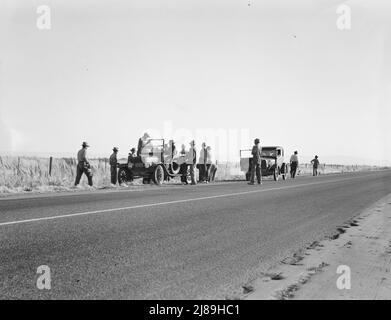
x=256, y=163
x=183, y=165
x=294, y=164
x=202, y=164
x=315, y=164
x=113, y=166
x=192, y=161
x=83, y=165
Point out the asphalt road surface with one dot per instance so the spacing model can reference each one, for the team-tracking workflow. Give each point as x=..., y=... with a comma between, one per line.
x=187, y=242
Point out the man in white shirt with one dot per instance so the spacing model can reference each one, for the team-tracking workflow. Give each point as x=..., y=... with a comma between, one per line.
x=83, y=166
x=294, y=161
x=256, y=163
x=211, y=167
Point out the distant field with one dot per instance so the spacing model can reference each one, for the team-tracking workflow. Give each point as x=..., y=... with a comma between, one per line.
x=26, y=174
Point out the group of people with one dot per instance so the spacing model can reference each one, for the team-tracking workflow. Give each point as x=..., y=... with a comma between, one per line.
x=294, y=162
x=187, y=160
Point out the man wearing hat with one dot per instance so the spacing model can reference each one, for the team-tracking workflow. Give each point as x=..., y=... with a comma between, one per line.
x=256, y=163
x=132, y=154
x=294, y=161
x=192, y=161
x=315, y=164
x=83, y=166
x=113, y=166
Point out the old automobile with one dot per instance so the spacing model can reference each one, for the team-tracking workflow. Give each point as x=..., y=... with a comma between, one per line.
x=272, y=162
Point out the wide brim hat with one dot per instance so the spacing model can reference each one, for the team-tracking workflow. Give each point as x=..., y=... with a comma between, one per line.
x=85, y=144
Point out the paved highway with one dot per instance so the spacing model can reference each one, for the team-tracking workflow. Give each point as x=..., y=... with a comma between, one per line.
x=176, y=242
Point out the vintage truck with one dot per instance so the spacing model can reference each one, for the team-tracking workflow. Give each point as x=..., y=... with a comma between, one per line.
x=272, y=162
x=157, y=162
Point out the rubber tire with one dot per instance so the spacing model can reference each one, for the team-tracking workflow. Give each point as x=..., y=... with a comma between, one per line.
x=188, y=175
x=275, y=174
x=123, y=175
x=158, y=175
x=174, y=168
x=285, y=172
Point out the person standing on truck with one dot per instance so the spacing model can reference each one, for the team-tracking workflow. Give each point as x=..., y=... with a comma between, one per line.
x=256, y=163
x=170, y=150
x=315, y=164
x=294, y=161
x=132, y=154
x=141, y=143
x=113, y=166
x=83, y=166
x=171, y=145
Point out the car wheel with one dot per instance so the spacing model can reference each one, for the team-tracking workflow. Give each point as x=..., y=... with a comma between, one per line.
x=188, y=175
x=158, y=175
x=123, y=175
x=174, y=168
x=275, y=174
x=285, y=172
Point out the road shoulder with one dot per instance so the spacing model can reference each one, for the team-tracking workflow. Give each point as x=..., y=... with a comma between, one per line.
x=362, y=247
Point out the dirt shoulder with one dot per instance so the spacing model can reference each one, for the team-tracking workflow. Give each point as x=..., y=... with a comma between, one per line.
x=362, y=248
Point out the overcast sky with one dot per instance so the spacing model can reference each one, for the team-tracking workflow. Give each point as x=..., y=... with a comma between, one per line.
x=282, y=71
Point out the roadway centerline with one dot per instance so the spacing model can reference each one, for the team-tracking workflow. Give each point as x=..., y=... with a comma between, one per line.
x=170, y=202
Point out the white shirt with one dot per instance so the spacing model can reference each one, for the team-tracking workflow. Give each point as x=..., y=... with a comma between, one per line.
x=210, y=159
x=294, y=158
x=202, y=159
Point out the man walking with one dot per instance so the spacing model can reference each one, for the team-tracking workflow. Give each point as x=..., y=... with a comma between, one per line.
x=315, y=164
x=83, y=166
x=294, y=161
x=192, y=161
x=256, y=163
x=113, y=166
x=211, y=168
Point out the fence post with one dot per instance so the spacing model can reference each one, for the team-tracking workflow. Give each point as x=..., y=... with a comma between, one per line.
x=18, y=166
x=50, y=166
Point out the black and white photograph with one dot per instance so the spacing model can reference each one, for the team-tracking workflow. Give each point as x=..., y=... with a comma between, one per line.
x=208, y=151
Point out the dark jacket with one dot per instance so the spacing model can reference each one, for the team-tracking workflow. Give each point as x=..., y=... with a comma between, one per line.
x=256, y=152
x=113, y=160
